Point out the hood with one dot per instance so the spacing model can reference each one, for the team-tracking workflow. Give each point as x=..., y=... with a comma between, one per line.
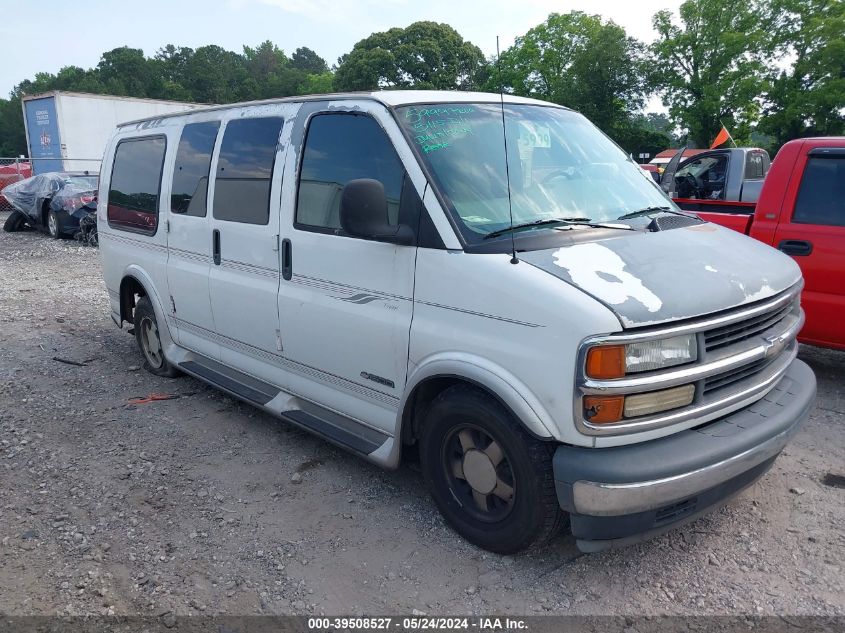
x=647, y=278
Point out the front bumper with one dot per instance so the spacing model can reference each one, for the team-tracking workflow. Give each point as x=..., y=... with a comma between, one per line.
x=616, y=496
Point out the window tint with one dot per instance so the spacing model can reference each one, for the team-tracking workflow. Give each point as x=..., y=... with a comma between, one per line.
x=242, y=186
x=821, y=198
x=136, y=184
x=754, y=166
x=340, y=148
x=190, y=173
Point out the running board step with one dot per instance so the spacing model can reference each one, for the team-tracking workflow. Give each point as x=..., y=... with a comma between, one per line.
x=236, y=383
x=361, y=439
x=338, y=429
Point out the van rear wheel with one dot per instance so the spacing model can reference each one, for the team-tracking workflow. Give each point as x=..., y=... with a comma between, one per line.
x=148, y=338
x=490, y=479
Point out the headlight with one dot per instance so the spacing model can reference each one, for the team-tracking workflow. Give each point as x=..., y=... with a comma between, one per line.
x=615, y=361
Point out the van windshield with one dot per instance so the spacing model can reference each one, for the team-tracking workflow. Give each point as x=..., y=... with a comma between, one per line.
x=560, y=164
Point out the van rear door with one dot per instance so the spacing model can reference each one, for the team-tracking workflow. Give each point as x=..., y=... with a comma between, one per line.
x=244, y=277
x=189, y=239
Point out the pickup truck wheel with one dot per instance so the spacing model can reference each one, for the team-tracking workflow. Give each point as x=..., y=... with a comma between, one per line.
x=14, y=222
x=491, y=480
x=149, y=341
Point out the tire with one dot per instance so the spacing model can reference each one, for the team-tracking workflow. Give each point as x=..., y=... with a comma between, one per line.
x=457, y=441
x=149, y=343
x=53, y=225
x=14, y=222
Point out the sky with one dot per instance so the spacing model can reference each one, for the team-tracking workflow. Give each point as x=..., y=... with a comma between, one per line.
x=50, y=34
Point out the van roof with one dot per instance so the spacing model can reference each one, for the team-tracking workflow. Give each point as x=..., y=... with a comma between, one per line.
x=390, y=98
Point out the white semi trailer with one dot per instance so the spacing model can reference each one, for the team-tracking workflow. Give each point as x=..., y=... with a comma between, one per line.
x=68, y=131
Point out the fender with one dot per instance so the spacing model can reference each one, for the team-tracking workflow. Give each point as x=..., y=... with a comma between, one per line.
x=139, y=274
x=476, y=369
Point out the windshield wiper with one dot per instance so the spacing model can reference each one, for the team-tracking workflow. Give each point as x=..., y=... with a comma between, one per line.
x=552, y=221
x=651, y=209
x=525, y=225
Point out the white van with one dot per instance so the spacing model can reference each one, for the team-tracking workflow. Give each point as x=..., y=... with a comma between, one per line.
x=493, y=283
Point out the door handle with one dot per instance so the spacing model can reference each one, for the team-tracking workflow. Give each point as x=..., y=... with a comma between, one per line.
x=796, y=247
x=287, y=260
x=215, y=246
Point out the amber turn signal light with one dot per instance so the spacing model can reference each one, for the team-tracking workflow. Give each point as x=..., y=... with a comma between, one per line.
x=604, y=409
x=606, y=361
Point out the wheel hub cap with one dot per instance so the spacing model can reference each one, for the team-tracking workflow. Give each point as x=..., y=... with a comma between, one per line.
x=479, y=471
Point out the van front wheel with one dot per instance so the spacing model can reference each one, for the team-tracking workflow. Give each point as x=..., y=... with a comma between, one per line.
x=491, y=480
x=148, y=338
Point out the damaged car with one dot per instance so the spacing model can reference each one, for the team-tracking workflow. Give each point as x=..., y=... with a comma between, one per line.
x=53, y=202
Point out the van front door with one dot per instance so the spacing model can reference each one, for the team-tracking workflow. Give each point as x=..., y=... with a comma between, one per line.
x=346, y=303
x=244, y=278
x=189, y=249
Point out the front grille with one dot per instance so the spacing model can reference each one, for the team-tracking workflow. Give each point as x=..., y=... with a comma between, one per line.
x=730, y=377
x=741, y=355
x=744, y=330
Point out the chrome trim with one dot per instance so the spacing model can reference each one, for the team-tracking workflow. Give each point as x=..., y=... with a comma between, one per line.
x=600, y=499
x=776, y=340
x=690, y=373
x=695, y=327
x=724, y=404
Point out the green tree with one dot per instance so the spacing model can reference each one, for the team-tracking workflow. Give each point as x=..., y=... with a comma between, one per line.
x=319, y=84
x=579, y=61
x=640, y=134
x=709, y=69
x=215, y=75
x=809, y=98
x=125, y=71
x=12, y=138
x=425, y=55
x=305, y=59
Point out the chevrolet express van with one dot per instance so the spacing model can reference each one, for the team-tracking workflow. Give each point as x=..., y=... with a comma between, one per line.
x=491, y=283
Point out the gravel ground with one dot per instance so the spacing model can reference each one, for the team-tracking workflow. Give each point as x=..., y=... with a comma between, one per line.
x=202, y=504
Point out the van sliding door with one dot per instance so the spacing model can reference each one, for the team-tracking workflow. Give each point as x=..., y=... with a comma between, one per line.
x=243, y=240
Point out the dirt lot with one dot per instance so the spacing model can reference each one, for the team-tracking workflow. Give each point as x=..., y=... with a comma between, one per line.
x=203, y=504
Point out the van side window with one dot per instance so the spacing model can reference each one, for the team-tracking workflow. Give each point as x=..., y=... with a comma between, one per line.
x=340, y=148
x=136, y=184
x=189, y=192
x=244, y=170
x=821, y=198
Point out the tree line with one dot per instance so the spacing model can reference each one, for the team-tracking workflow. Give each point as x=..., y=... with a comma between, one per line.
x=769, y=70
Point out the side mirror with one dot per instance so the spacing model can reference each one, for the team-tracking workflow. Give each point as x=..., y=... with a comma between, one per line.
x=363, y=213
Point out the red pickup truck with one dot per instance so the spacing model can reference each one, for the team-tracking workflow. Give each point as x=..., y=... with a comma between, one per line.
x=801, y=211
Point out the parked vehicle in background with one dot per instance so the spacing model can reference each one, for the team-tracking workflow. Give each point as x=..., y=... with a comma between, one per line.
x=719, y=179
x=801, y=211
x=12, y=171
x=486, y=278
x=653, y=171
x=53, y=202
x=68, y=131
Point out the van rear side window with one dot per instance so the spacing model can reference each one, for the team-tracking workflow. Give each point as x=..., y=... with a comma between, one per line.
x=244, y=170
x=136, y=184
x=190, y=174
